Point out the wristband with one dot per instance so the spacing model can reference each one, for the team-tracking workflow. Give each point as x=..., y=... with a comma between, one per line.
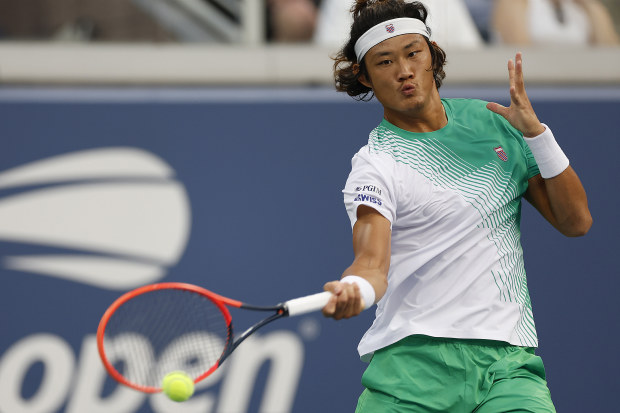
x=366, y=290
x=549, y=156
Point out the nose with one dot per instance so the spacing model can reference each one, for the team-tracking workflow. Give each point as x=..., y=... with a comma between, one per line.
x=405, y=71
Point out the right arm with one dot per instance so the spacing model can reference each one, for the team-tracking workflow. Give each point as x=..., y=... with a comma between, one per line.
x=371, y=246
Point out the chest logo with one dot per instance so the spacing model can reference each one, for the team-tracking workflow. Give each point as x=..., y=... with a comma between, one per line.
x=501, y=154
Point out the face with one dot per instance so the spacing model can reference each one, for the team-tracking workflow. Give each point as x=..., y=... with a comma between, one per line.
x=400, y=75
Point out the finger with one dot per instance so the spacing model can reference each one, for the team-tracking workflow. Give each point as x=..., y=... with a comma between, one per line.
x=330, y=308
x=353, y=304
x=333, y=287
x=344, y=304
x=514, y=96
x=519, y=64
x=511, y=73
x=513, y=81
x=519, y=83
x=348, y=301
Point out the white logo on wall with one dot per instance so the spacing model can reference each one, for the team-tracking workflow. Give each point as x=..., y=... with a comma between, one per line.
x=120, y=208
x=125, y=220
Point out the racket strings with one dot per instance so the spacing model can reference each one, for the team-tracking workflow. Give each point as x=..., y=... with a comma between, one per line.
x=166, y=330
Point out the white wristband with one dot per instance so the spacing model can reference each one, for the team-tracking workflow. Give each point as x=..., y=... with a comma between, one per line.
x=366, y=290
x=548, y=154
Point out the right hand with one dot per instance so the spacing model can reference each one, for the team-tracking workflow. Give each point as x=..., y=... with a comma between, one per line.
x=346, y=301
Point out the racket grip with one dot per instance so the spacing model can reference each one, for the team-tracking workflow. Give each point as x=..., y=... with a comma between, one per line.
x=308, y=303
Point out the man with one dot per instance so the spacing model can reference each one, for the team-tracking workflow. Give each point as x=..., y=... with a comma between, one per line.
x=434, y=199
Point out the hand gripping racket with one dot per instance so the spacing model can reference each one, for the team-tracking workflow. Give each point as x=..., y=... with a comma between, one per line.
x=160, y=328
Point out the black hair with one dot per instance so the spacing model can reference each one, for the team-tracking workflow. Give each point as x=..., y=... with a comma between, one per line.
x=367, y=14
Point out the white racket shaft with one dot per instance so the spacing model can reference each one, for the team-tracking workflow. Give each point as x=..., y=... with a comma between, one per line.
x=307, y=304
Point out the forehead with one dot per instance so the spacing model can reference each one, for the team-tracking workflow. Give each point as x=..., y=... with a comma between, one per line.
x=397, y=43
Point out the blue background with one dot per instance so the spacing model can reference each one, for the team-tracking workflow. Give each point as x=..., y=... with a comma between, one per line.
x=264, y=170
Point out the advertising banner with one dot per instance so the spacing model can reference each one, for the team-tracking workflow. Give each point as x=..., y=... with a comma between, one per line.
x=103, y=191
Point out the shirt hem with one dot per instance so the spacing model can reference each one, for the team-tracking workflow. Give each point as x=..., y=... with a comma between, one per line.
x=367, y=351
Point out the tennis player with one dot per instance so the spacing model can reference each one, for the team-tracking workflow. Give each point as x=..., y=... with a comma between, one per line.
x=434, y=199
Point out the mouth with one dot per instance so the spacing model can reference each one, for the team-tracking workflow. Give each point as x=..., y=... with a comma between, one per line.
x=407, y=89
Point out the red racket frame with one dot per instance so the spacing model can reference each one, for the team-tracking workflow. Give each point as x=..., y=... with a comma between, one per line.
x=220, y=301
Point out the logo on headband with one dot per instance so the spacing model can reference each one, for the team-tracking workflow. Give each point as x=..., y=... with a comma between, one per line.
x=390, y=28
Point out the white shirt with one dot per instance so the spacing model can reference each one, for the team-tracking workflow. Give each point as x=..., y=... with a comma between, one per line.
x=453, y=198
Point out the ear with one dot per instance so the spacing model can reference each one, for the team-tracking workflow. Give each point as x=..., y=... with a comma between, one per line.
x=363, y=79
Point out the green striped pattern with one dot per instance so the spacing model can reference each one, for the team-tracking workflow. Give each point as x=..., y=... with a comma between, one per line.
x=491, y=192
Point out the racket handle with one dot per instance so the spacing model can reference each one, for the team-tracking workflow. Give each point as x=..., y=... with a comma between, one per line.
x=308, y=303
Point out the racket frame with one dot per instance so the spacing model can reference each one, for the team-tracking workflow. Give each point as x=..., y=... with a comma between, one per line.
x=222, y=303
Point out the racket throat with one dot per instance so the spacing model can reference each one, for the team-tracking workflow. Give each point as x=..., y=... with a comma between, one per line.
x=248, y=333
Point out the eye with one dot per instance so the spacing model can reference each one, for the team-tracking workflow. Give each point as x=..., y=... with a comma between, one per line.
x=412, y=54
x=385, y=62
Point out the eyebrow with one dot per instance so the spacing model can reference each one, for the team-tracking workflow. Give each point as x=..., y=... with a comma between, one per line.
x=388, y=52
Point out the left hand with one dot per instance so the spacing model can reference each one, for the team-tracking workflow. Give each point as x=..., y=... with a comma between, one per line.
x=520, y=114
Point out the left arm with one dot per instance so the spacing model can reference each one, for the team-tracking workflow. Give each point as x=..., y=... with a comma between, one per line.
x=561, y=199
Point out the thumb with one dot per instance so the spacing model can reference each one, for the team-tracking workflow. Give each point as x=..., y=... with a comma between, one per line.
x=497, y=108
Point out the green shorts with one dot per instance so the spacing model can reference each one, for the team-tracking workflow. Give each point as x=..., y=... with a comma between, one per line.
x=425, y=374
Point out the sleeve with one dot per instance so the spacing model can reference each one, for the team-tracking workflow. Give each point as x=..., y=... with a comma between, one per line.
x=370, y=183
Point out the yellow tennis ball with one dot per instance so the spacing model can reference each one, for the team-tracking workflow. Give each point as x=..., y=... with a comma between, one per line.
x=178, y=386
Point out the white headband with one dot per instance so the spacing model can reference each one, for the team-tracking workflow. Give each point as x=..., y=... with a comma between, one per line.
x=386, y=30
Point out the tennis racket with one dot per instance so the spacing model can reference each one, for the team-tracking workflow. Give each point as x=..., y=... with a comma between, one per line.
x=160, y=328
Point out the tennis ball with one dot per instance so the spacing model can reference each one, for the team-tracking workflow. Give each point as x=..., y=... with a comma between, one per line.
x=178, y=386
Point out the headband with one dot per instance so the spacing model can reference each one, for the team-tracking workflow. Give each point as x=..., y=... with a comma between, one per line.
x=386, y=30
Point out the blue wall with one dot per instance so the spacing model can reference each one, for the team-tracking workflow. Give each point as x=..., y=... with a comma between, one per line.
x=257, y=175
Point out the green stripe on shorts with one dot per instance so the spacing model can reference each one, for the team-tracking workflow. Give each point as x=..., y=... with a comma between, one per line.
x=426, y=374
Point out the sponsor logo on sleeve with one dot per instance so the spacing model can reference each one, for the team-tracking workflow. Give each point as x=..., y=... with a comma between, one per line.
x=368, y=188
x=367, y=198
